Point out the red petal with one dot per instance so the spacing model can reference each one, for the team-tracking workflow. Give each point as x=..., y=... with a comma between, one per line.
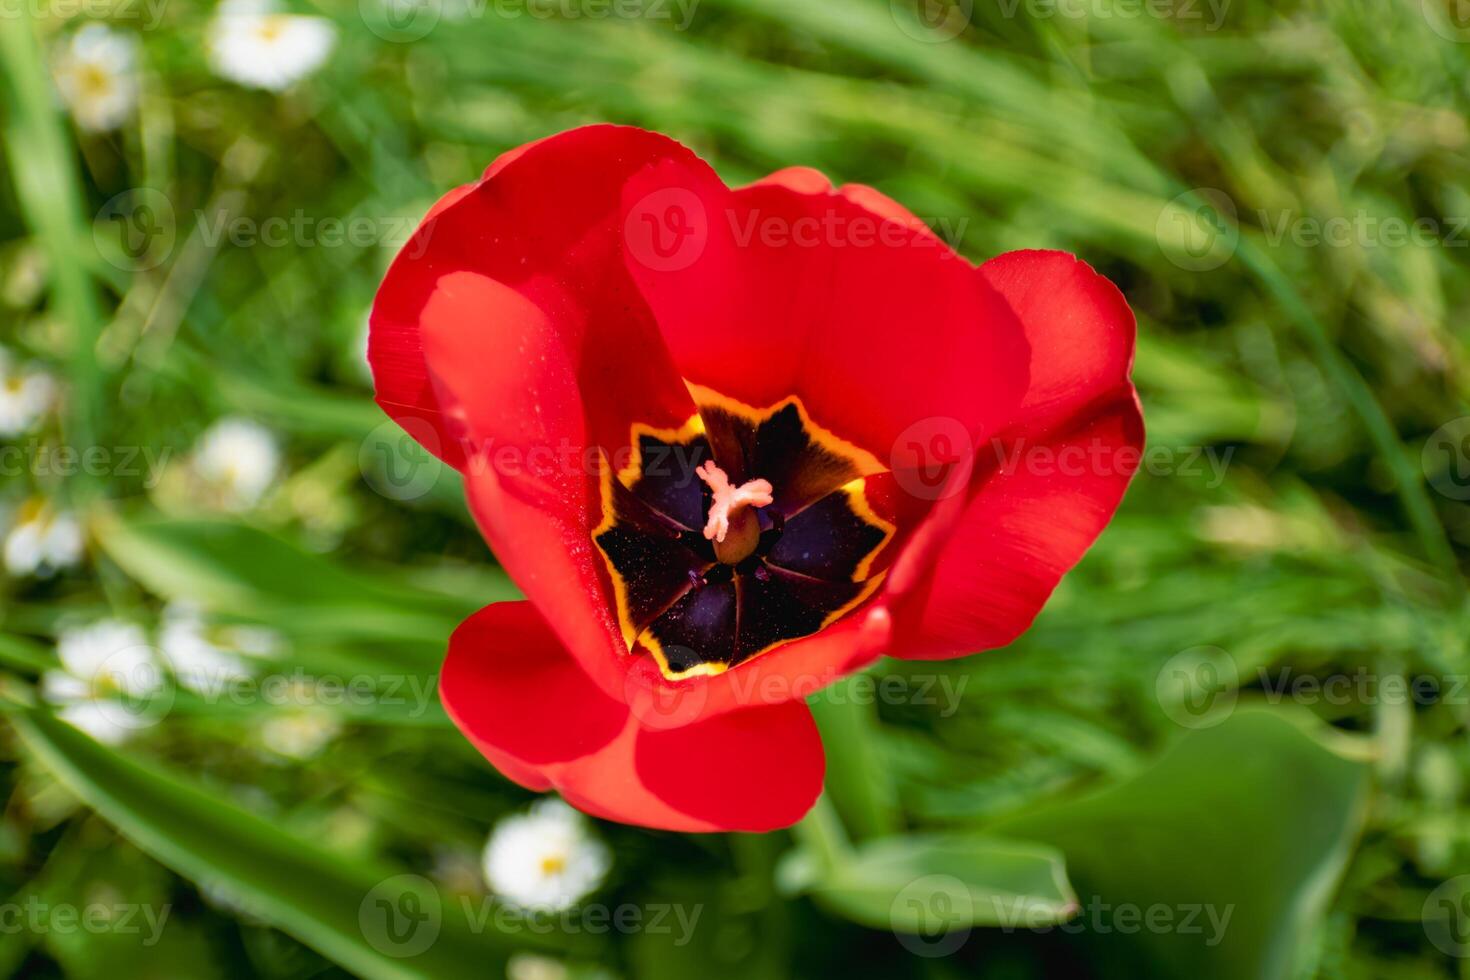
x=396, y=356
x=876, y=324
x=754, y=770
x=1019, y=534
x=1037, y=504
x=512, y=688
x=543, y=355
x=1080, y=328
x=517, y=694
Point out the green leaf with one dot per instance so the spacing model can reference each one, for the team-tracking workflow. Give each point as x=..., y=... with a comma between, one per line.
x=372, y=921
x=243, y=569
x=1241, y=829
x=930, y=883
x=48, y=190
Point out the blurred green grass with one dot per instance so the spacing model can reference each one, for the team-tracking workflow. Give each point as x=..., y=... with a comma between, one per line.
x=1169, y=149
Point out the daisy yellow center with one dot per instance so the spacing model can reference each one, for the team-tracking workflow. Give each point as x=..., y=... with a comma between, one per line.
x=553, y=864
x=94, y=82
x=272, y=27
x=105, y=685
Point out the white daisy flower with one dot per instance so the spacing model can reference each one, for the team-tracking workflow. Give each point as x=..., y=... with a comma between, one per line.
x=207, y=659
x=251, y=43
x=97, y=76
x=25, y=395
x=547, y=858
x=529, y=966
x=299, y=733
x=42, y=541
x=237, y=460
x=108, y=680
x=298, y=729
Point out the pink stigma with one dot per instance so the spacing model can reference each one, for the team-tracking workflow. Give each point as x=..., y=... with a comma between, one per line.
x=729, y=501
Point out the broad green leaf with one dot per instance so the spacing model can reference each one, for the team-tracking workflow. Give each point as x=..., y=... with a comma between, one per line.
x=928, y=883
x=1236, y=836
x=374, y=922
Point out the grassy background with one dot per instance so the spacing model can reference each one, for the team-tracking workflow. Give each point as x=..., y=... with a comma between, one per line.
x=1187, y=150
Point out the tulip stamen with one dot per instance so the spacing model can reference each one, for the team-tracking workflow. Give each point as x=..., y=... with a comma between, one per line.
x=732, y=510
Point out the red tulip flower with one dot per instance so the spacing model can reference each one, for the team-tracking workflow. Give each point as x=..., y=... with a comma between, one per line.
x=733, y=444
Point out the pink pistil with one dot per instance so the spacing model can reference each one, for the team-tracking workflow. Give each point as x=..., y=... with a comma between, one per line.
x=729, y=501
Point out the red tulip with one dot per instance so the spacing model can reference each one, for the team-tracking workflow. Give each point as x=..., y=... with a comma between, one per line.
x=732, y=445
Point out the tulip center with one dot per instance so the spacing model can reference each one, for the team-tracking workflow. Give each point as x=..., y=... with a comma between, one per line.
x=737, y=532
x=732, y=524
